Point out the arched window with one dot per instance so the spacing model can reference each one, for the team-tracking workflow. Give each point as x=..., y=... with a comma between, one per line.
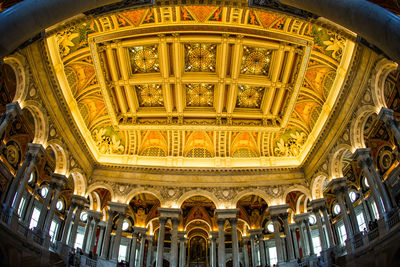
x=153, y=152
x=198, y=152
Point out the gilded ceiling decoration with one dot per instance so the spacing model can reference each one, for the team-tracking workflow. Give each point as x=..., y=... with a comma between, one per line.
x=224, y=86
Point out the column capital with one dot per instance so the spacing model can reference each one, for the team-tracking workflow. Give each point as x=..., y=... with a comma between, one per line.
x=233, y=221
x=256, y=232
x=169, y=212
x=385, y=115
x=226, y=213
x=318, y=204
x=14, y=109
x=363, y=156
x=150, y=238
x=118, y=207
x=94, y=214
x=278, y=210
x=162, y=220
x=36, y=151
x=213, y=235
x=79, y=201
x=338, y=185
x=302, y=217
x=182, y=235
x=58, y=181
x=139, y=230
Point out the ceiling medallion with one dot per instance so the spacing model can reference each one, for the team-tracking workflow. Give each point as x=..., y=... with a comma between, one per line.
x=255, y=61
x=200, y=57
x=144, y=59
x=150, y=95
x=200, y=95
x=249, y=97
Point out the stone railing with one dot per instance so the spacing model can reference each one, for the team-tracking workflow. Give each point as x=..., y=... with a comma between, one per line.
x=373, y=234
x=393, y=219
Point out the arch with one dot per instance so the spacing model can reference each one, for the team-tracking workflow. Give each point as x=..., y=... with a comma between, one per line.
x=80, y=183
x=96, y=185
x=199, y=192
x=300, y=188
x=256, y=192
x=382, y=70
x=335, y=165
x=198, y=220
x=358, y=125
x=39, y=115
x=19, y=65
x=142, y=190
x=317, y=184
x=62, y=162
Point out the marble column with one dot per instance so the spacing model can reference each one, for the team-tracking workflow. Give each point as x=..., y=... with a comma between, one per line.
x=74, y=230
x=288, y=236
x=253, y=249
x=213, y=248
x=15, y=182
x=260, y=237
x=149, y=250
x=386, y=115
x=294, y=238
x=67, y=223
x=245, y=240
x=12, y=111
x=43, y=211
x=37, y=151
x=132, y=257
x=160, y=242
x=310, y=242
x=221, y=242
x=328, y=227
x=299, y=218
x=93, y=235
x=321, y=233
x=182, y=249
x=174, y=243
x=86, y=236
x=141, y=251
x=107, y=234
x=266, y=246
x=352, y=213
x=235, y=243
x=339, y=186
x=100, y=242
x=59, y=181
x=118, y=235
x=277, y=237
x=363, y=158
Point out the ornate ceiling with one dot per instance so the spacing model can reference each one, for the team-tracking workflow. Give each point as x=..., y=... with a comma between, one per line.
x=200, y=85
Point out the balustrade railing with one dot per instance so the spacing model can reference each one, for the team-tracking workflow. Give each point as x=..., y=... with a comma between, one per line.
x=393, y=219
x=373, y=234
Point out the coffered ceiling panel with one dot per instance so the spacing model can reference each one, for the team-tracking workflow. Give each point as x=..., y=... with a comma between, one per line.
x=200, y=85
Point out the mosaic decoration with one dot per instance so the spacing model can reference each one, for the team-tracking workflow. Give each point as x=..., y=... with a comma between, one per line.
x=199, y=95
x=150, y=95
x=328, y=42
x=201, y=12
x=249, y=96
x=144, y=59
x=108, y=141
x=290, y=143
x=255, y=61
x=200, y=57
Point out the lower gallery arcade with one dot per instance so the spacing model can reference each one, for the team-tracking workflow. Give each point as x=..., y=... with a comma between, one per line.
x=226, y=134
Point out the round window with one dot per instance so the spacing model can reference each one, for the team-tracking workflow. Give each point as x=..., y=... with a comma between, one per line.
x=44, y=191
x=270, y=227
x=31, y=177
x=59, y=205
x=312, y=219
x=125, y=225
x=336, y=209
x=83, y=216
x=366, y=182
x=353, y=196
